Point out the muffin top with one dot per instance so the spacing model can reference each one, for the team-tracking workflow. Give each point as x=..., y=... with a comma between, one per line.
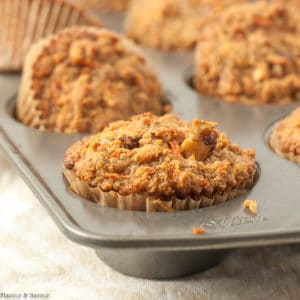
x=251, y=54
x=285, y=138
x=161, y=157
x=82, y=78
x=171, y=24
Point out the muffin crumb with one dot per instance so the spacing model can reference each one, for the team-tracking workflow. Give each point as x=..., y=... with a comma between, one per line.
x=198, y=231
x=251, y=205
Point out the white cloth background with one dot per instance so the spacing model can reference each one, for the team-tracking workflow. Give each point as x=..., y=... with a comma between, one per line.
x=36, y=257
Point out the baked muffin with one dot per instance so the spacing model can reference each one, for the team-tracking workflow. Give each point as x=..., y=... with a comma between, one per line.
x=23, y=22
x=117, y=5
x=171, y=24
x=83, y=78
x=251, y=55
x=285, y=138
x=158, y=163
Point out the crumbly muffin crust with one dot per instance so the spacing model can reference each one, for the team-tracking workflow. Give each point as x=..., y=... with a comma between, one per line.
x=285, y=138
x=161, y=157
x=171, y=24
x=251, y=55
x=117, y=5
x=83, y=78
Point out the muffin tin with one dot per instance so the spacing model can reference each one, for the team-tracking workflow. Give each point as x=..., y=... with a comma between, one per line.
x=161, y=245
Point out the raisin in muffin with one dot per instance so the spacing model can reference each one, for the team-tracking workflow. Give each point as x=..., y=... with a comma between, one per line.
x=23, y=22
x=159, y=163
x=285, y=138
x=251, y=55
x=171, y=24
x=82, y=78
x=110, y=5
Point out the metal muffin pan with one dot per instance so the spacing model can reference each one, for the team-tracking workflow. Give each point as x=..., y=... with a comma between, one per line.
x=161, y=245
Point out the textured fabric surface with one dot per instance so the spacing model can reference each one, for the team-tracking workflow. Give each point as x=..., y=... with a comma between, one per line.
x=36, y=257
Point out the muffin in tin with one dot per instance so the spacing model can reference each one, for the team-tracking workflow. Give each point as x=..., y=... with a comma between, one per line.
x=83, y=78
x=251, y=55
x=23, y=22
x=109, y=5
x=285, y=137
x=171, y=24
x=152, y=163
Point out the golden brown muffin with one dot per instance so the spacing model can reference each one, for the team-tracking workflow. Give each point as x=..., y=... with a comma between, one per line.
x=251, y=55
x=83, y=78
x=159, y=163
x=117, y=5
x=171, y=24
x=23, y=22
x=285, y=138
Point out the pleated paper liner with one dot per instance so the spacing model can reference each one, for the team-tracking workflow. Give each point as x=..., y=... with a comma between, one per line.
x=137, y=202
x=23, y=22
x=108, y=5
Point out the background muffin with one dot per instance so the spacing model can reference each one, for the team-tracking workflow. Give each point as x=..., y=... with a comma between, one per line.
x=171, y=24
x=23, y=22
x=285, y=138
x=82, y=78
x=118, y=5
x=158, y=163
x=251, y=54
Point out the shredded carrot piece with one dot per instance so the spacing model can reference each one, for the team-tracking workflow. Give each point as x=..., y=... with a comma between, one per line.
x=116, y=155
x=261, y=21
x=176, y=149
x=198, y=231
x=114, y=176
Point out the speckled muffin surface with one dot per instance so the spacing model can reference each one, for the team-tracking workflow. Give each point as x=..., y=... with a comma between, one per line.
x=183, y=164
x=251, y=55
x=285, y=138
x=109, y=5
x=83, y=78
x=171, y=24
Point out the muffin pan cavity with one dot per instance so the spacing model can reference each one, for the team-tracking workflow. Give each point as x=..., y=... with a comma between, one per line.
x=188, y=75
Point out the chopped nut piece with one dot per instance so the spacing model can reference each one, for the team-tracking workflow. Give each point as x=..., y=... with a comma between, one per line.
x=251, y=205
x=259, y=74
x=198, y=231
x=201, y=140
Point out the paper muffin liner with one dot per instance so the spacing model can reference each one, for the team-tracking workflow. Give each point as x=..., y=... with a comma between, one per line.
x=137, y=202
x=23, y=22
x=109, y=5
x=275, y=145
x=27, y=106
